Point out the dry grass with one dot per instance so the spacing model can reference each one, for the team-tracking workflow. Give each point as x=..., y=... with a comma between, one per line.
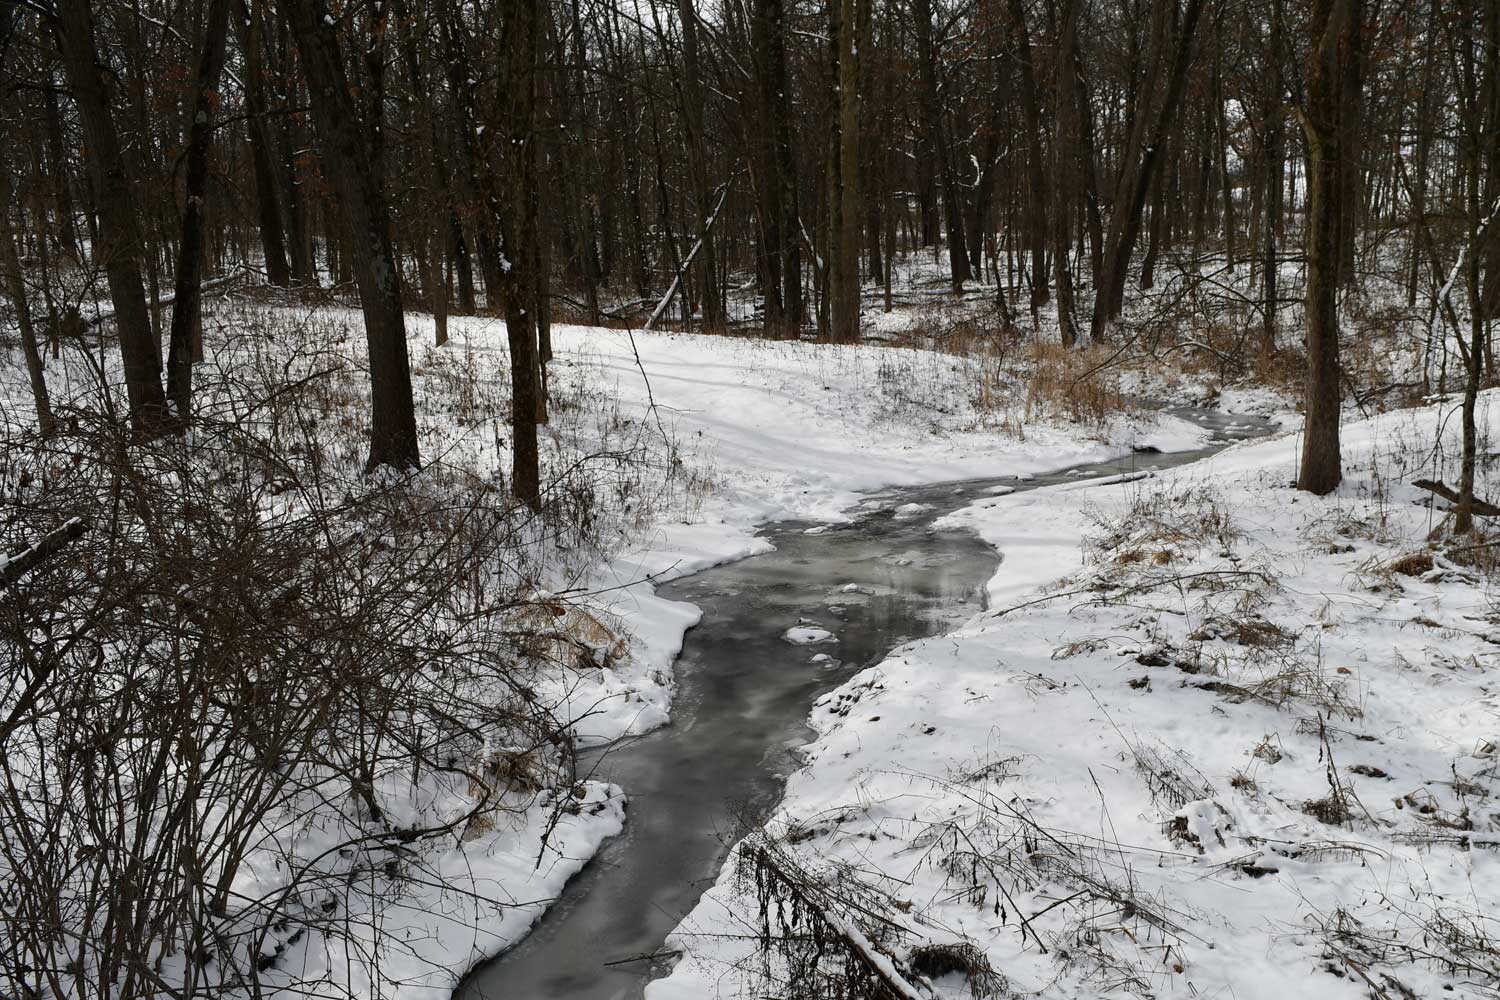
x=1159, y=528
x=1076, y=385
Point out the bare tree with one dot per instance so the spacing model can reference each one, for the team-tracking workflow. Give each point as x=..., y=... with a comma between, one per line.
x=354, y=165
x=1331, y=137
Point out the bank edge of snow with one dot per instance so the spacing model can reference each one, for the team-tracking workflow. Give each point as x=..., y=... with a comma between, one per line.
x=792, y=434
x=464, y=906
x=1033, y=694
x=789, y=431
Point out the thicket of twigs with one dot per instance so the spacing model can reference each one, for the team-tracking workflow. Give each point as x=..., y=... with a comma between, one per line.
x=244, y=689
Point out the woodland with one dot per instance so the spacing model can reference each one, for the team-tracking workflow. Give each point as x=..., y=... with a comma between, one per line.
x=367, y=366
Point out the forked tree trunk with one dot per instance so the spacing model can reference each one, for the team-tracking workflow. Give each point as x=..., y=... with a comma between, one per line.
x=936, y=139
x=1036, y=173
x=248, y=25
x=119, y=248
x=1143, y=159
x=351, y=167
x=187, y=298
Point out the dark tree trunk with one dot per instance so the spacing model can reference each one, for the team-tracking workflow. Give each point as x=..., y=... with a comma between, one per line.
x=267, y=202
x=1036, y=173
x=706, y=262
x=937, y=143
x=15, y=286
x=785, y=163
x=523, y=32
x=1274, y=167
x=351, y=169
x=1142, y=160
x=186, y=300
x=120, y=247
x=1335, y=33
x=1066, y=170
x=850, y=34
x=62, y=193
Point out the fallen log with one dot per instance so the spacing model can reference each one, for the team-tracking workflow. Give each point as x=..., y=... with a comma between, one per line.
x=1481, y=507
x=12, y=568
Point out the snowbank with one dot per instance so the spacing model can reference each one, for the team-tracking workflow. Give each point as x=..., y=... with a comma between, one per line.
x=1244, y=742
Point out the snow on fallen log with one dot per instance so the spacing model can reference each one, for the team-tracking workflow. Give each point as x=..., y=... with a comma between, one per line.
x=13, y=567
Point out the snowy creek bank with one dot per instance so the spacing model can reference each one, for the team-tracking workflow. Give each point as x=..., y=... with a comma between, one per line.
x=777, y=631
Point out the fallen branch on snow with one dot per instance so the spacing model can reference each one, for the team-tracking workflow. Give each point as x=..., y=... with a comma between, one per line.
x=1481, y=507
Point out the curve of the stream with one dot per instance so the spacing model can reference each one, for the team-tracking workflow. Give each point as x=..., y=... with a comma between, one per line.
x=743, y=693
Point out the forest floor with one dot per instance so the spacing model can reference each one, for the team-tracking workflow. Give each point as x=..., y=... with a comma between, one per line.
x=1231, y=739
x=666, y=451
x=1213, y=737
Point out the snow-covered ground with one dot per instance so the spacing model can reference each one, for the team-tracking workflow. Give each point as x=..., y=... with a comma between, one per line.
x=767, y=431
x=1060, y=721
x=1214, y=737
x=779, y=431
x=752, y=431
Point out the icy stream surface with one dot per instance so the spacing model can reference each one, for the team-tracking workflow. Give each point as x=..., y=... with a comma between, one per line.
x=746, y=679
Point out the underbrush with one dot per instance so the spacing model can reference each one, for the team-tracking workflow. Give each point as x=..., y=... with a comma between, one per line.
x=252, y=697
x=994, y=380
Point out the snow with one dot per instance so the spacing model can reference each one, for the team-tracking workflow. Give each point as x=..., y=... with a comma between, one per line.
x=1168, y=760
x=799, y=431
x=507, y=879
x=807, y=635
x=785, y=431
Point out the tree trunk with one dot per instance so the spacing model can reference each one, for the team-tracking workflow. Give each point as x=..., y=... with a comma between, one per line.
x=1066, y=170
x=520, y=288
x=120, y=246
x=937, y=144
x=15, y=286
x=1142, y=159
x=1335, y=32
x=850, y=35
x=186, y=300
x=1036, y=173
x=267, y=203
x=706, y=262
x=1274, y=169
x=351, y=169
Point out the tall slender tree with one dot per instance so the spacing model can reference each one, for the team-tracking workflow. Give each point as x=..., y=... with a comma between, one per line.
x=352, y=163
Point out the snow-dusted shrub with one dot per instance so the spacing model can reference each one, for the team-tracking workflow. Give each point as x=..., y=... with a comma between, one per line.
x=256, y=698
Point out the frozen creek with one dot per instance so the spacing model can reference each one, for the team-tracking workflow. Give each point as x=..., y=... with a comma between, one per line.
x=746, y=679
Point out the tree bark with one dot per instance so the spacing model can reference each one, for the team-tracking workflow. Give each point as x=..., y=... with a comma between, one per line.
x=1036, y=173
x=352, y=171
x=15, y=286
x=120, y=246
x=850, y=34
x=937, y=144
x=1274, y=168
x=692, y=109
x=519, y=289
x=1335, y=32
x=1142, y=159
x=186, y=299
x=267, y=201
x=1066, y=170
